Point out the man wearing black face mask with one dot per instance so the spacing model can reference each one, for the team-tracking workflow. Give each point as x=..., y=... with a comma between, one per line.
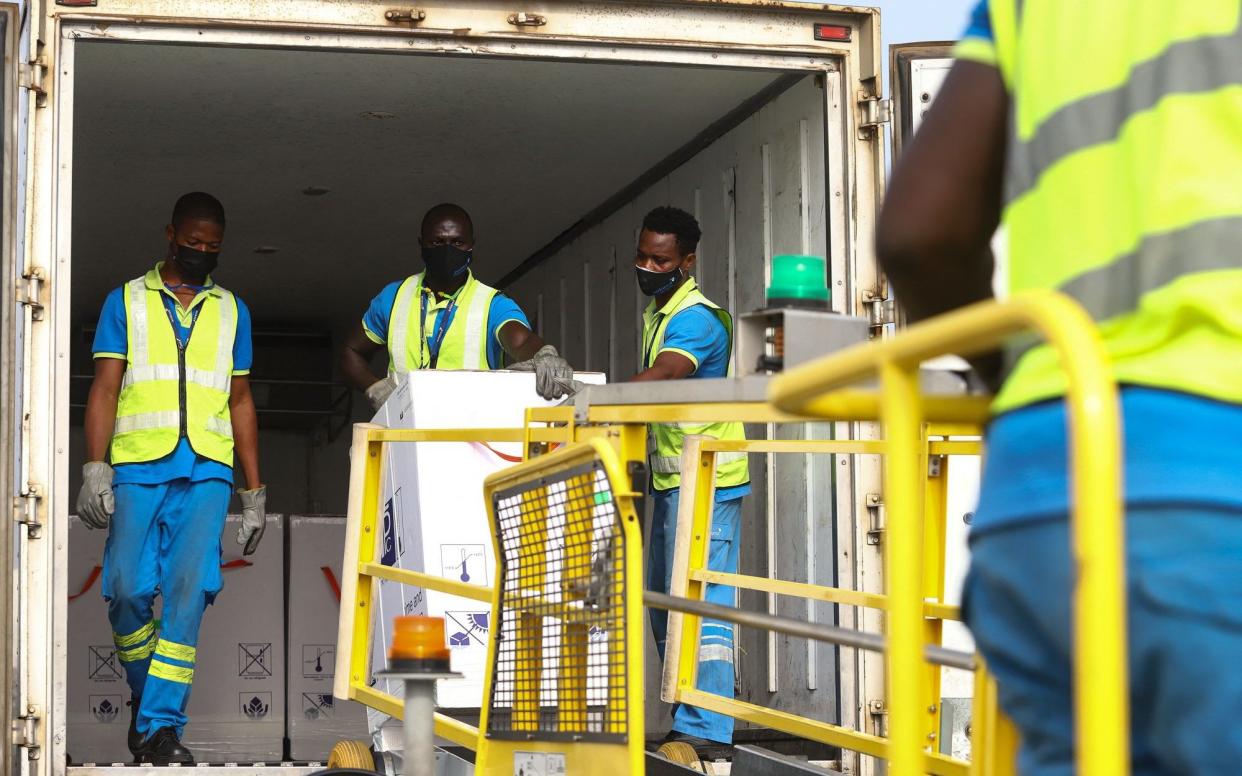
x=169, y=406
x=686, y=336
x=444, y=318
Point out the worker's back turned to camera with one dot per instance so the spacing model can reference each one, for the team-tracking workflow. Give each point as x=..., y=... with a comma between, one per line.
x=1105, y=137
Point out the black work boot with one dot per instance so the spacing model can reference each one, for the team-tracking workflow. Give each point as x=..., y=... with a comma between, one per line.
x=135, y=738
x=163, y=748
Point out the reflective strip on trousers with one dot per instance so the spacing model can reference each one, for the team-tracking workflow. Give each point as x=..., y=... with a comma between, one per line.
x=476, y=326
x=176, y=651
x=1199, y=65
x=708, y=652
x=1117, y=287
x=137, y=637
x=136, y=654
x=179, y=674
x=671, y=464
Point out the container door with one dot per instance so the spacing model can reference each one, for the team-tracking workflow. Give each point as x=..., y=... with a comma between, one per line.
x=917, y=70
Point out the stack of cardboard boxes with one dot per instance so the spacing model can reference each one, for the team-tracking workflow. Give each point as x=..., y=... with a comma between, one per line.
x=248, y=698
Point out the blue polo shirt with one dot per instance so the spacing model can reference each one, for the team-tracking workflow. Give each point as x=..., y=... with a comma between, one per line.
x=111, y=341
x=698, y=334
x=502, y=310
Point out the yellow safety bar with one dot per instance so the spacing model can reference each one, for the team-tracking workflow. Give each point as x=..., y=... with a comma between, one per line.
x=1100, y=659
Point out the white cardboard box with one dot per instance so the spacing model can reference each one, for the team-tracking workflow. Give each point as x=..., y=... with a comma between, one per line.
x=433, y=513
x=316, y=720
x=237, y=706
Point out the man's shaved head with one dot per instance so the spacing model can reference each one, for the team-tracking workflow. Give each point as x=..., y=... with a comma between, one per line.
x=197, y=206
x=447, y=212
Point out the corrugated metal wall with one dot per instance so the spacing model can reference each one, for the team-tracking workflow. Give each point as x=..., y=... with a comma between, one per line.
x=758, y=191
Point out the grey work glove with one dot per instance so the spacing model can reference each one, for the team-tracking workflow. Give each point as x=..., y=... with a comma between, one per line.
x=254, y=518
x=548, y=367
x=96, y=503
x=571, y=387
x=380, y=390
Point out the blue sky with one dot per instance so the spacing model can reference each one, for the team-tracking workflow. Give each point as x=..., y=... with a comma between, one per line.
x=904, y=21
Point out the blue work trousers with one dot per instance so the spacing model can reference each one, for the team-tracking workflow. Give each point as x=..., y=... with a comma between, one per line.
x=716, y=673
x=1184, y=592
x=165, y=540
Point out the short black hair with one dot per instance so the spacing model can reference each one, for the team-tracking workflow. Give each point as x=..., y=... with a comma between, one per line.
x=675, y=221
x=446, y=210
x=198, y=206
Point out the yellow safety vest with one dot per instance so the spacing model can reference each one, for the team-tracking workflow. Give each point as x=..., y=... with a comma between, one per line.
x=666, y=438
x=1123, y=184
x=411, y=329
x=169, y=392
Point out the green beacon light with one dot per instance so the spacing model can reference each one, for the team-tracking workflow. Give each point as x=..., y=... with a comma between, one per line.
x=799, y=281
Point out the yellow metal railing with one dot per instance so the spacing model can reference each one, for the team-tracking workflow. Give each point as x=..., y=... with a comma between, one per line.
x=1100, y=660
x=690, y=575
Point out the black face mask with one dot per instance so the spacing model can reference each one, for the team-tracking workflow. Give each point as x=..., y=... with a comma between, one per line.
x=196, y=263
x=656, y=283
x=445, y=262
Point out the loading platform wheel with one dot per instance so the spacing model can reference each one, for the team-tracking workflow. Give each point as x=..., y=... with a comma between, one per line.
x=681, y=753
x=351, y=753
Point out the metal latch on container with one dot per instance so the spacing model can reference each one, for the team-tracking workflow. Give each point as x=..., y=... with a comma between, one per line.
x=935, y=465
x=26, y=509
x=875, y=515
x=879, y=713
x=28, y=292
x=405, y=15
x=873, y=112
x=26, y=732
x=521, y=19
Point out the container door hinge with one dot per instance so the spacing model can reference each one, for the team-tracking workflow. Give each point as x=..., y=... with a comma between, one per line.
x=405, y=15
x=873, y=112
x=875, y=519
x=26, y=509
x=28, y=292
x=881, y=312
x=26, y=732
x=879, y=716
x=33, y=76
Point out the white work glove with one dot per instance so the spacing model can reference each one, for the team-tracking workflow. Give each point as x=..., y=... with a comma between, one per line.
x=253, y=519
x=548, y=367
x=96, y=503
x=380, y=390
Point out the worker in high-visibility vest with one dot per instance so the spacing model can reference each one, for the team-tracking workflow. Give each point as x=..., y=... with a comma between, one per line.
x=169, y=406
x=444, y=318
x=1106, y=137
x=686, y=336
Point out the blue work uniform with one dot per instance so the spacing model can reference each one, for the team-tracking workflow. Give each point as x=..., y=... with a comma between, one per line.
x=164, y=539
x=1183, y=504
x=501, y=311
x=697, y=334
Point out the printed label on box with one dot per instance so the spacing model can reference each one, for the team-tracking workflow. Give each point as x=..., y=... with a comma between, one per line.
x=464, y=562
x=103, y=664
x=255, y=705
x=318, y=661
x=106, y=708
x=318, y=705
x=254, y=660
x=538, y=764
x=467, y=629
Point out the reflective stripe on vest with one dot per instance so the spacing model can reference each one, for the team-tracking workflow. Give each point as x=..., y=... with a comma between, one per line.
x=665, y=455
x=1121, y=185
x=165, y=390
x=465, y=343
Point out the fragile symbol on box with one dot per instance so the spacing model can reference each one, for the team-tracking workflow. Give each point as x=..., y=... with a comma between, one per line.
x=318, y=661
x=466, y=628
x=105, y=708
x=254, y=660
x=103, y=666
x=465, y=562
x=317, y=705
x=255, y=705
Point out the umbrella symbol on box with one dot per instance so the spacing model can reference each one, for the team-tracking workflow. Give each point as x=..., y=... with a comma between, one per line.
x=467, y=627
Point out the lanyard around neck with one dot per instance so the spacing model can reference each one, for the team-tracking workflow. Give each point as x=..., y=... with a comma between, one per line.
x=443, y=321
